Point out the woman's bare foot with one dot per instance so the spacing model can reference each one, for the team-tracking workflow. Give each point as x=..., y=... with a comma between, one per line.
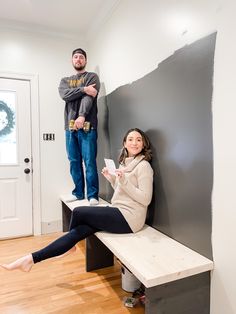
x=24, y=263
x=72, y=250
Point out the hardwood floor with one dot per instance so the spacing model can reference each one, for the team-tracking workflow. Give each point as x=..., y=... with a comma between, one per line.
x=59, y=285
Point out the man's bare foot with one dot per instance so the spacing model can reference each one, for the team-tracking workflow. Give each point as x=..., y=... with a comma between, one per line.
x=72, y=250
x=24, y=263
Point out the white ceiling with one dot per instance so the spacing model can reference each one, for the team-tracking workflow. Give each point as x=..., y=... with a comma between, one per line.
x=70, y=18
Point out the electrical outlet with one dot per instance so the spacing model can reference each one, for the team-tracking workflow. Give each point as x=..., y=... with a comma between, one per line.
x=49, y=136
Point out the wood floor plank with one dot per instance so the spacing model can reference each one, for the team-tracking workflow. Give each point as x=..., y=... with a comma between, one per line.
x=59, y=286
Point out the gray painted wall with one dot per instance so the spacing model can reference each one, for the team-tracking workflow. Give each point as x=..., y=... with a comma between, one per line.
x=172, y=105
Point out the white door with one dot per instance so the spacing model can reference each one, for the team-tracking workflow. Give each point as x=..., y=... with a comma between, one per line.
x=15, y=159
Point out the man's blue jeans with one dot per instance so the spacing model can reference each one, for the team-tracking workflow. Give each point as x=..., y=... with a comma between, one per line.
x=82, y=146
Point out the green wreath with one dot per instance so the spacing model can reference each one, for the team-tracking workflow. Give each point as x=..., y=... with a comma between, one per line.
x=6, y=124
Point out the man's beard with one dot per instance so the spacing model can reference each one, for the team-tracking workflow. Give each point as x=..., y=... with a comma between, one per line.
x=79, y=67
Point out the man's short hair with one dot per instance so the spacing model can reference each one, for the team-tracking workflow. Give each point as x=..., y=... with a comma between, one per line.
x=81, y=51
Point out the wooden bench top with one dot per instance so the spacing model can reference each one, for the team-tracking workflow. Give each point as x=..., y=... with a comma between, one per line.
x=151, y=256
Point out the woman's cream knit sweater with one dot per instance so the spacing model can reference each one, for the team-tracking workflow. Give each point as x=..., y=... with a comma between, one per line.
x=133, y=193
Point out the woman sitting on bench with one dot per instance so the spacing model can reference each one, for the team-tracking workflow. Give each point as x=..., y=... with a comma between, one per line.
x=132, y=184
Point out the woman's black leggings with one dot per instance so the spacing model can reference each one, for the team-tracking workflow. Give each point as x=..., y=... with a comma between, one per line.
x=85, y=221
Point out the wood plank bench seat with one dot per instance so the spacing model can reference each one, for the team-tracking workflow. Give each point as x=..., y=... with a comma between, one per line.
x=168, y=269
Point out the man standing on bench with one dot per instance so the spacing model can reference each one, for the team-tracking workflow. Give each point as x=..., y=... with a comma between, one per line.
x=79, y=92
x=133, y=186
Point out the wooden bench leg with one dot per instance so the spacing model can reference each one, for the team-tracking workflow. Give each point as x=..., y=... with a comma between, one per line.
x=66, y=215
x=97, y=254
x=190, y=295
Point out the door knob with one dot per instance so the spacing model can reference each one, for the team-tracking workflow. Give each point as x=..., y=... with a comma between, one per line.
x=27, y=170
x=26, y=160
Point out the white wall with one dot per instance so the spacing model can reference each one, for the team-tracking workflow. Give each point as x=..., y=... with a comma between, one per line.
x=141, y=34
x=49, y=57
x=224, y=201
x=137, y=37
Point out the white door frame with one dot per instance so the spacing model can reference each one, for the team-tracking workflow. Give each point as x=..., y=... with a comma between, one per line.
x=34, y=99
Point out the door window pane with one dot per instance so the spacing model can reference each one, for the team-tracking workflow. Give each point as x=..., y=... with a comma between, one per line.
x=8, y=143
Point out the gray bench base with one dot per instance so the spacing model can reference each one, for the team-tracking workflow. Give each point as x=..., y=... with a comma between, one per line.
x=189, y=295
x=97, y=254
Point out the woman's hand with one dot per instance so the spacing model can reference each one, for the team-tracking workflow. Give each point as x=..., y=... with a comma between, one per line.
x=120, y=175
x=106, y=173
